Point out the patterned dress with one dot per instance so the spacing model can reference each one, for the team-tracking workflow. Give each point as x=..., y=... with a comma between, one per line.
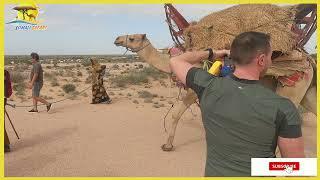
x=99, y=94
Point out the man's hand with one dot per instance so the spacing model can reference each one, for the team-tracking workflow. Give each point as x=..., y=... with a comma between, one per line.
x=220, y=54
x=29, y=85
x=175, y=52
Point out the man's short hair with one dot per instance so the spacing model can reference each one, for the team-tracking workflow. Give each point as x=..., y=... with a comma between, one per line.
x=35, y=56
x=246, y=46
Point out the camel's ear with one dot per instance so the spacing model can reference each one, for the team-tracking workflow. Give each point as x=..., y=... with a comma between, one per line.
x=144, y=36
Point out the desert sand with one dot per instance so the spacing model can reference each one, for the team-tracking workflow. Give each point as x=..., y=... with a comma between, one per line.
x=76, y=138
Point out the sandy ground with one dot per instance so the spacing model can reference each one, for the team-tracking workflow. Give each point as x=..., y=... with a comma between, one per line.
x=120, y=139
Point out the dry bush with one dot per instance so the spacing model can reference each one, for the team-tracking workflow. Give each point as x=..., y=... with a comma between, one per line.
x=88, y=79
x=54, y=82
x=156, y=106
x=76, y=80
x=137, y=77
x=86, y=63
x=148, y=100
x=127, y=79
x=79, y=73
x=145, y=94
x=69, y=73
x=49, y=76
x=19, y=88
x=17, y=77
x=68, y=88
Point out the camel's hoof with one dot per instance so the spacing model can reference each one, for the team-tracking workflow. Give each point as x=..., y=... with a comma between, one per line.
x=165, y=147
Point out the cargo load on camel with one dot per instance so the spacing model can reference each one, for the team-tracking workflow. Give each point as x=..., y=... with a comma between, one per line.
x=217, y=30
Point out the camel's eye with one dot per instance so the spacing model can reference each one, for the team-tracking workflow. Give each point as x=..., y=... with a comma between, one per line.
x=276, y=54
x=131, y=39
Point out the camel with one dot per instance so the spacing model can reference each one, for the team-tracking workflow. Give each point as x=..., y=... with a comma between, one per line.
x=303, y=93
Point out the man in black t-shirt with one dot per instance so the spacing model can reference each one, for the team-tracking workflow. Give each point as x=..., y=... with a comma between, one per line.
x=242, y=118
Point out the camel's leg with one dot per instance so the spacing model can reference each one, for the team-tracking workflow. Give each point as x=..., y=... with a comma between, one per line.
x=309, y=101
x=177, y=112
x=297, y=92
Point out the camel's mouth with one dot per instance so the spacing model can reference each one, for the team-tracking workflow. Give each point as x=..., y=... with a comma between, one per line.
x=117, y=43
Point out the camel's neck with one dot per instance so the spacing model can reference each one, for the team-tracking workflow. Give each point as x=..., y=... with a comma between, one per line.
x=151, y=56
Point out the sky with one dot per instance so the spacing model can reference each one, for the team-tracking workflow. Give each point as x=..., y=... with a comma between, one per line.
x=91, y=29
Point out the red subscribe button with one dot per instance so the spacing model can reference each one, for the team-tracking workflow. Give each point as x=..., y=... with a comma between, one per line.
x=284, y=165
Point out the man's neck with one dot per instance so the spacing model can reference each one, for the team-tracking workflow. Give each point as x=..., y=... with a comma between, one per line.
x=246, y=73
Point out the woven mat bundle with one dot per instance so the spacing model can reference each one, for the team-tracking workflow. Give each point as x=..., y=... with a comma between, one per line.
x=218, y=29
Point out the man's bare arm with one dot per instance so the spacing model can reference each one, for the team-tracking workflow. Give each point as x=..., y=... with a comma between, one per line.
x=180, y=65
x=291, y=147
x=35, y=76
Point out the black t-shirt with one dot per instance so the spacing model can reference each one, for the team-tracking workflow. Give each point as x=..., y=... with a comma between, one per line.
x=242, y=120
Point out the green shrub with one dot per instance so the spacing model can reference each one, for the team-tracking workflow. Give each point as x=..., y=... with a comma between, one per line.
x=154, y=73
x=86, y=63
x=145, y=94
x=17, y=77
x=68, y=88
x=79, y=73
x=137, y=77
x=69, y=73
x=88, y=79
x=131, y=78
x=54, y=83
x=49, y=76
x=75, y=79
x=19, y=88
x=148, y=100
x=58, y=73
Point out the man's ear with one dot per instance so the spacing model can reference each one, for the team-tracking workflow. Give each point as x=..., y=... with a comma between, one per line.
x=261, y=59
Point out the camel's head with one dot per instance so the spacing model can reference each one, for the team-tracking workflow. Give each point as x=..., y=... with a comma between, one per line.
x=96, y=67
x=133, y=41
